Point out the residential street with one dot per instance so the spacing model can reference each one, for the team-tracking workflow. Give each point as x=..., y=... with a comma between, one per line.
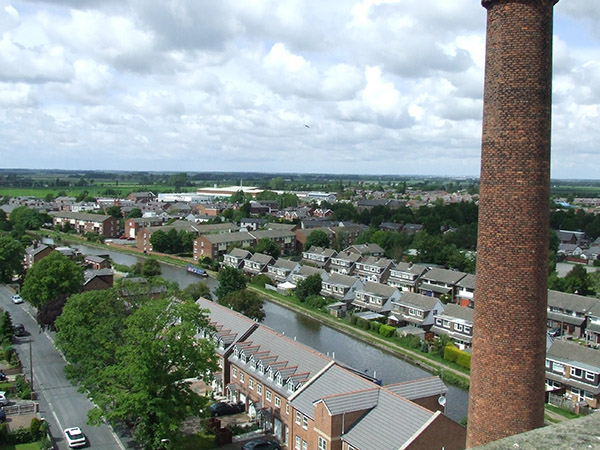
x=60, y=402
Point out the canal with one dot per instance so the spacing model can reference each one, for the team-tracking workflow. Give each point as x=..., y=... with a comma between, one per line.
x=343, y=348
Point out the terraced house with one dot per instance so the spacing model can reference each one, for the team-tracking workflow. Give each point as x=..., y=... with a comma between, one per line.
x=405, y=276
x=104, y=225
x=373, y=268
x=455, y=322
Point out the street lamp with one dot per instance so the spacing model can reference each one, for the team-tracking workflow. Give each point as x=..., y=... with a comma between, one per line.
x=31, y=365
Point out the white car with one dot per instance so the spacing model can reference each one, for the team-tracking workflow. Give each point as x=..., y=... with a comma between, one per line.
x=16, y=299
x=4, y=400
x=75, y=437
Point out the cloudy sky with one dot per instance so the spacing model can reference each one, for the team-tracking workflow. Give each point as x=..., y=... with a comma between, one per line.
x=335, y=86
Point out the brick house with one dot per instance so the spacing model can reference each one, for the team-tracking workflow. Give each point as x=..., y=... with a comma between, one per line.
x=98, y=279
x=592, y=329
x=107, y=226
x=366, y=249
x=405, y=276
x=455, y=322
x=133, y=226
x=215, y=245
x=373, y=268
x=576, y=369
x=96, y=262
x=340, y=287
x=568, y=312
x=428, y=392
x=465, y=291
x=34, y=253
x=285, y=239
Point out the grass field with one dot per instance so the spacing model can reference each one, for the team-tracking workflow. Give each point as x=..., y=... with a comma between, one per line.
x=95, y=191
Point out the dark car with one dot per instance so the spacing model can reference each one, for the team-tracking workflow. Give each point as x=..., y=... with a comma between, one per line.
x=226, y=409
x=554, y=332
x=19, y=330
x=257, y=444
x=2, y=415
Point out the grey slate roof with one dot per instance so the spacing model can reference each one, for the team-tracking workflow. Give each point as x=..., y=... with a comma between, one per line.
x=444, y=275
x=415, y=269
x=343, y=280
x=390, y=425
x=353, y=257
x=235, y=236
x=239, y=253
x=375, y=261
x=94, y=258
x=575, y=355
x=80, y=216
x=307, y=271
x=272, y=234
x=382, y=290
x=459, y=312
x=327, y=252
x=34, y=250
x=261, y=258
x=571, y=302
x=352, y=401
x=365, y=249
x=334, y=380
x=417, y=300
x=416, y=389
x=285, y=264
x=467, y=282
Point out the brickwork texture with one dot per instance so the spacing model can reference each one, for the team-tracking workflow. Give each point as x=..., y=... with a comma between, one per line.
x=507, y=374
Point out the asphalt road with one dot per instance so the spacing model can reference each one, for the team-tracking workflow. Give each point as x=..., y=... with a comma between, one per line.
x=60, y=402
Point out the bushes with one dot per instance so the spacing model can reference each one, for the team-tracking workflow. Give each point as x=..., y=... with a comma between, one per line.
x=387, y=330
x=260, y=280
x=316, y=301
x=463, y=359
x=363, y=323
x=374, y=326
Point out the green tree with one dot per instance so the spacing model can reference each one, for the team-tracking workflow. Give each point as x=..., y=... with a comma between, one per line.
x=268, y=247
x=6, y=327
x=194, y=291
x=238, y=197
x=311, y=285
x=245, y=302
x=146, y=386
x=160, y=241
x=11, y=258
x=151, y=268
x=277, y=184
x=50, y=277
x=317, y=238
x=114, y=211
x=135, y=213
x=25, y=218
x=230, y=280
x=577, y=281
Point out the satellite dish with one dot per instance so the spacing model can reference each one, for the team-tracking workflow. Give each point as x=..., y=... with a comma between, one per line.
x=442, y=400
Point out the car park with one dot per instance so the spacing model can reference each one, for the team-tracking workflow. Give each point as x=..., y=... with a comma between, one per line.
x=226, y=409
x=258, y=444
x=75, y=437
x=16, y=299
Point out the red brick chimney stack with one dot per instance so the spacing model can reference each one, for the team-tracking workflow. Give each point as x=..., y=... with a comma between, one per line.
x=507, y=374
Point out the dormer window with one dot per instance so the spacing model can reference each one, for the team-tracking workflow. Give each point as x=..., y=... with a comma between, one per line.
x=261, y=368
x=290, y=385
x=270, y=373
x=243, y=358
x=279, y=380
x=236, y=353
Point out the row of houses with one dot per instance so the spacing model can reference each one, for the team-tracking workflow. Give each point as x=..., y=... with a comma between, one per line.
x=309, y=400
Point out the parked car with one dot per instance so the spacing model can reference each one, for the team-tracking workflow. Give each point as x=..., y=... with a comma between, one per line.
x=226, y=409
x=16, y=299
x=257, y=444
x=554, y=332
x=19, y=330
x=75, y=437
x=4, y=400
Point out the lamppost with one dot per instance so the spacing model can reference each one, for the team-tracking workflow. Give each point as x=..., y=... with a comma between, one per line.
x=31, y=365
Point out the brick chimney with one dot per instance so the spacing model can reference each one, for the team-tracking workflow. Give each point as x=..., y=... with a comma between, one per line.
x=507, y=373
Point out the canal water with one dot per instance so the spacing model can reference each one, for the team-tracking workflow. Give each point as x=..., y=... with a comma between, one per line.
x=343, y=348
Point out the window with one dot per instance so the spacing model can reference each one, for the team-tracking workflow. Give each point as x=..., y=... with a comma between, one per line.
x=298, y=441
x=467, y=329
x=279, y=380
x=259, y=389
x=268, y=395
x=548, y=364
x=558, y=368
x=287, y=408
x=458, y=327
x=590, y=376
x=241, y=377
x=251, y=383
x=305, y=422
x=234, y=372
x=322, y=443
x=576, y=372
x=277, y=402
x=298, y=418
x=304, y=445
x=446, y=324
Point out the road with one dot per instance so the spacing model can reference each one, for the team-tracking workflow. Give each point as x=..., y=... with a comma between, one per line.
x=60, y=402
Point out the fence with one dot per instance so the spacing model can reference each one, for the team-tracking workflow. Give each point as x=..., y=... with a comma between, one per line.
x=22, y=408
x=581, y=408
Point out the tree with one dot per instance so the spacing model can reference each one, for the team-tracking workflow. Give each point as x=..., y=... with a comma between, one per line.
x=196, y=290
x=577, y=281
x=277, y=184
x=50, y=311
x=268, y=246
x=11, y=258
x=50, y=277
x=317, y=238
x=159, y=241
x=26, y=218
x=6, y=327
x=135, y=213
x=311, y=285
x=245, y=302
x=151, y=268
x=114, y=211
x=146, y=385
x=230, y=279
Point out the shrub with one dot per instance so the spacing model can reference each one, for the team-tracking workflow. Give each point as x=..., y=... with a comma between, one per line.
x=411, y=341
x=316, y=301
x=363, y=323
x=35, y=428
x=463, y=359
x=374, y=326
x=353, y=319
x=26, y=394
x=260, y=280
x=387, y=330
x=20, y=436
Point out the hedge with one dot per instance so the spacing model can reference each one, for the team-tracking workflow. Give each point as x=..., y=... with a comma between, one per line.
x=463, y=359
x=374, y=326
x=387, y=330
x=363, y=323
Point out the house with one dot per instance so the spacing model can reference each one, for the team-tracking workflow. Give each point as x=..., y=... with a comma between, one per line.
x=257, y=263
x=96, y=262
x=284, y=238
x=282, y=269
x=302, y=235
x=235, y=258
x=318, y=256
x=569, y=250
x=373, y=268
x=251, y=223
x=412, y=228
x=390, y=226
x=98, y=279
x=133, y=226
x=226, y=327
x=107, y=226
x=217, y=244
x=340, y=287
x=428, y=392
x=34, y=253
x=465, y=291
x=571, y=237
x=141, y=197
x=592, y=329
x=440, y=282
x=305, y=271
x=366, y=249
x=456, y=322
x=375, y=297
x=576, y=370
x=568, y=312
x=344, y=263
x=405, y=276
x=415, y=309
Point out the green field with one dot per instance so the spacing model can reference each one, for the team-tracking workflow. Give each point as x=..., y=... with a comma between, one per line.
x=120, y=189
